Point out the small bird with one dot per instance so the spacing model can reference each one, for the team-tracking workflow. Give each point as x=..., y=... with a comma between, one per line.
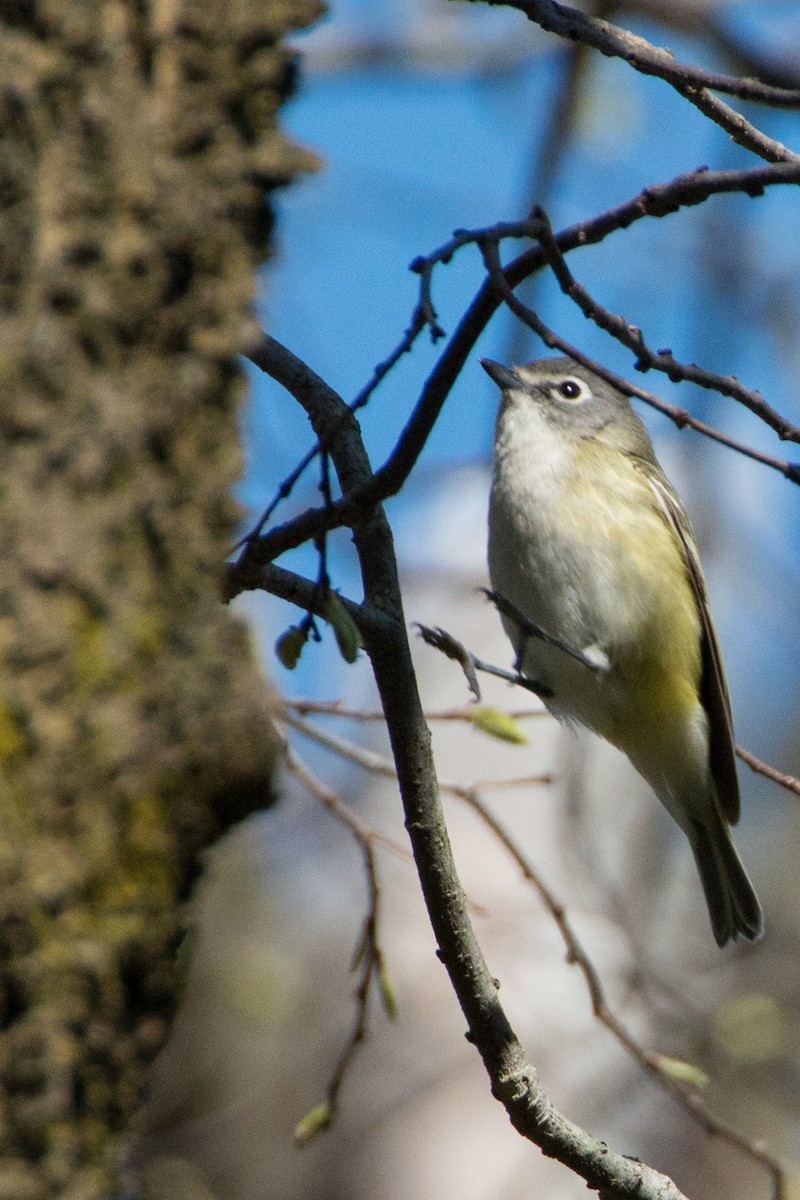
x=589, y=542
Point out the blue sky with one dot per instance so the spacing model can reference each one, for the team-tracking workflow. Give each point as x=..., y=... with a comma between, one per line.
x=412, y=150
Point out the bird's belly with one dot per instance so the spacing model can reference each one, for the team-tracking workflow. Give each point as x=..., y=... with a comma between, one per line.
x=589, y=576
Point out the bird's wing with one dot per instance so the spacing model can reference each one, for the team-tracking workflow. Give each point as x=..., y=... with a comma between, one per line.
x=713, y=685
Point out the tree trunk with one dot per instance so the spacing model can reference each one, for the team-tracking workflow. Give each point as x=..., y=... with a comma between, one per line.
x=138, y=142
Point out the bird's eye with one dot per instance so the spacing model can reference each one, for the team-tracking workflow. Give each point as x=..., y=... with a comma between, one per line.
x=570, y=389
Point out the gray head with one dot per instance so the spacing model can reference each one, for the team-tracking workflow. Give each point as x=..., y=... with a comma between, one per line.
x=575, y=399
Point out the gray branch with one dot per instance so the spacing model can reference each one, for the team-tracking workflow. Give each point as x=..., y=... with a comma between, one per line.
x=513, y=1080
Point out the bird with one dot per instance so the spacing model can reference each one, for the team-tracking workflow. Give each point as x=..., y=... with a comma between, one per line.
x=590, y=544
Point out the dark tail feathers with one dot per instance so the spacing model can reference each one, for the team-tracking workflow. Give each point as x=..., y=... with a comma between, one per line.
x=732, y=903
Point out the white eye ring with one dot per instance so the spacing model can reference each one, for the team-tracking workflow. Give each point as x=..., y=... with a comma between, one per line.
x=572, y=390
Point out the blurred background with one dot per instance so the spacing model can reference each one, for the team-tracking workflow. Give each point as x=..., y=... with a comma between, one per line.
x=430, y=116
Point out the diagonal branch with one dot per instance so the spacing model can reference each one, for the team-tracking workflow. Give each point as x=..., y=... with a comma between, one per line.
x=656, y=1065
x=647, y=359
x=658, y=200
x=690, y=81
x=681, y=417
x=369, y=958
x=790, y=782
x=513, y=1080
x=614, y=41
x=422, y=317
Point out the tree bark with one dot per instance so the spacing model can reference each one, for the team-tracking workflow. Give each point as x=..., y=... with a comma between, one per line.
x=138, y=143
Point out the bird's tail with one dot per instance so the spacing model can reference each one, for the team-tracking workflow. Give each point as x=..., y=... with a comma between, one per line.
x=732, y=903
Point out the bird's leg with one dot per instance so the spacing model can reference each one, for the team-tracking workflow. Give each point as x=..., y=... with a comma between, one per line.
x=441, y=640
x=591, y=656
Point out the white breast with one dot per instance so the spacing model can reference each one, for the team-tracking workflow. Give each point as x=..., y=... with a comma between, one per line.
x=543, y=559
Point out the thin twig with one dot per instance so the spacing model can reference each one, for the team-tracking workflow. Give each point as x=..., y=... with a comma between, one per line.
x=651, y=1062
x=740, y=130
x=422, y=317
x=679, y=416
x=630, y=336
x=689, y=81
x=379, y=764
x=655, y=201
x=647, y=359
x=790, y=782
x=335, y=708
x=616, y=42
x=369, y=955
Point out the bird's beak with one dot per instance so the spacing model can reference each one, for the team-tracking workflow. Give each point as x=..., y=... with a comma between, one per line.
x=504, y=377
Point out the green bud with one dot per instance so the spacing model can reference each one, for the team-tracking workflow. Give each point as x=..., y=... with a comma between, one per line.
x=348, y=639
x=684, y=1072
x=289, y=646
x=497, y=724
x=313, y=1123
x=388, y=997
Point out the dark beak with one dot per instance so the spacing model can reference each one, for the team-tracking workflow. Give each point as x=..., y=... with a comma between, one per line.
x=504, y=377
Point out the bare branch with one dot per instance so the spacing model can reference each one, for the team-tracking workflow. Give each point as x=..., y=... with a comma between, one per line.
x=305, y=593
x=681, y=417
x=736, y=126
x=647, y=359
x=369, y=957
x=689, y=81
x=653, y=1063
x=439, y=639
x=335, y=708
x=513, y=1079
x=537, y=227
x=422, y=317
x=656, y=201
x=790, y=782
x=379, y=764
x=615, y=42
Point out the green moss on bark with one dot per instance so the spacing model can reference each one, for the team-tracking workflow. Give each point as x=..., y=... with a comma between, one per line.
x=138, y=144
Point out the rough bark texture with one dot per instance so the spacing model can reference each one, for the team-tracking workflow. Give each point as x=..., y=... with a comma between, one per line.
x=137, y=142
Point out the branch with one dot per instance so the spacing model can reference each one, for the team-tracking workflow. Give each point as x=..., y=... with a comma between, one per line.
x=647, y=359
x=680, y=416
x=305, y=593
x=790, y=782
x=616, y=42
x=513, y=1079
x=691, y=82
x=709, y=21
x=735, y=125
x=656, y=201
x=537, y=227
x=369, y=954
x=338, y=432
x=335, y=708
x=656, y=1065
x=422, y=316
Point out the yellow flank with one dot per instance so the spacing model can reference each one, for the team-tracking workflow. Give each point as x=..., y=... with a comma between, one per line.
x=656, y=647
